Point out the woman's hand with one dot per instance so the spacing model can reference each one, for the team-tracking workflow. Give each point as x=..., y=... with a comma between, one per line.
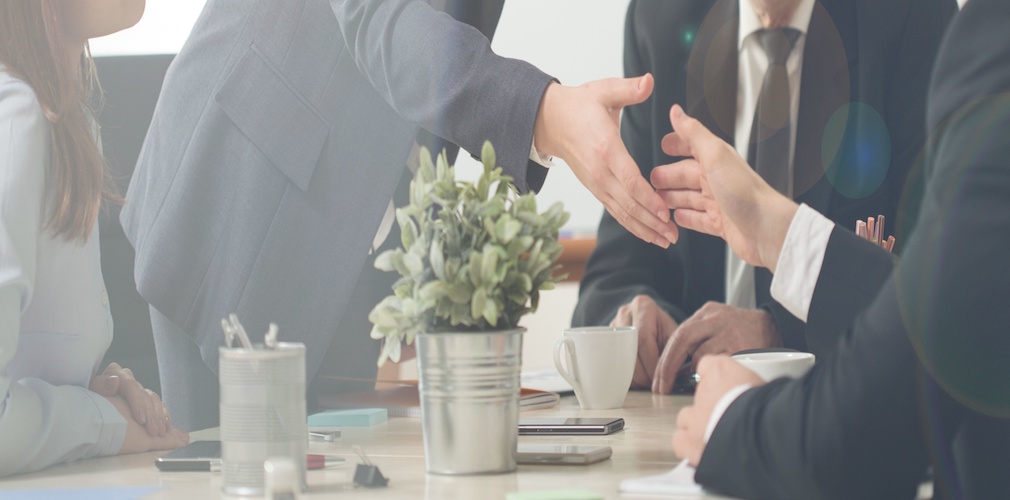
x=145, y=405
x=138, y=440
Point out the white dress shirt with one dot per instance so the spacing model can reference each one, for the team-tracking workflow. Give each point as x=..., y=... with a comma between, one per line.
x=752, y=65
x=55, y=324
x=793, y=283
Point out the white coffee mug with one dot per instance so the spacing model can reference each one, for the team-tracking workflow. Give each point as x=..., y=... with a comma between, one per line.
x=600, y=364
x=772, y=365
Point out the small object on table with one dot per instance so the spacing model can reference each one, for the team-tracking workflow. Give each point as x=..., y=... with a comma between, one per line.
x=323, y=435
x=555, y=494
x=282, y=480
x=368, y=474
x=363, y=417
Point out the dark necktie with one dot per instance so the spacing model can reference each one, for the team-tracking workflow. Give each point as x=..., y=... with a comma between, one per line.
x=772, y=128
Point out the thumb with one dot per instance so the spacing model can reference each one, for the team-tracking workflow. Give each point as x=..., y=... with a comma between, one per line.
x=690, y=135
x=106, y=385
x=621, y=92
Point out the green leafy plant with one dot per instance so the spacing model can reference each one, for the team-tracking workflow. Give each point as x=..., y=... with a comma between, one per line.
x=474, y=257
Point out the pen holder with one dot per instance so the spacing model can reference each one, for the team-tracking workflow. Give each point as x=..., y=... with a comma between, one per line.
x=262, y=414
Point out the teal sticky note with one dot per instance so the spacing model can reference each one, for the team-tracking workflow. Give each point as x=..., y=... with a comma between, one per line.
x=363, y=417
x=556, y=494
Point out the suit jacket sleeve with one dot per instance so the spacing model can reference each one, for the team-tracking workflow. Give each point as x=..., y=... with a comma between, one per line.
x=442, y=74
x=622, y=265
x=852, y=428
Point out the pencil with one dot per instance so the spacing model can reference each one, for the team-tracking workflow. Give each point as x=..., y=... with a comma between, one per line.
x=870, y=228
x=880, y=229
x=890, y=243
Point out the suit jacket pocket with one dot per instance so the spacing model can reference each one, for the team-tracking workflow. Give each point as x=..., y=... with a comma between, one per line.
x=281, y=123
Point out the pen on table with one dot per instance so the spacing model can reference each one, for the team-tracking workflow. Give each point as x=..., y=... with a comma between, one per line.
x=314, y=462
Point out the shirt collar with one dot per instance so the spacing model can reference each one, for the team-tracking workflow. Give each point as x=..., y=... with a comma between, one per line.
x=749, y=22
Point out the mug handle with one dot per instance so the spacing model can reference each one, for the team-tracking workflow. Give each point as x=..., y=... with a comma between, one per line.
x=569, y=374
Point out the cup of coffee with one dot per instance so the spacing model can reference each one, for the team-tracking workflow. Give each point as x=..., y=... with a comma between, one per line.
x=600, y=362
x=772, y=365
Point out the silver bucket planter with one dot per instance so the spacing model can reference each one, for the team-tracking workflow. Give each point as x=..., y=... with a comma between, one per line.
x=469, y=385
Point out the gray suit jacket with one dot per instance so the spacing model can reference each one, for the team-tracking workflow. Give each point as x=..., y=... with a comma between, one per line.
x=280, y=135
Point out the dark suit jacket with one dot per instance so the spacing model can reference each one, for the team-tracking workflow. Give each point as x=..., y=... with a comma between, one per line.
x=921, y=375
x=867, y=60
x=281, y=132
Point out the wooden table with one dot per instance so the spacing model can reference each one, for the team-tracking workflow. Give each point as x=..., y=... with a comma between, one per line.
x=643, y=448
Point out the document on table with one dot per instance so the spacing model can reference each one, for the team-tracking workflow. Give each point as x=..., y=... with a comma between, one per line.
x=678, y=483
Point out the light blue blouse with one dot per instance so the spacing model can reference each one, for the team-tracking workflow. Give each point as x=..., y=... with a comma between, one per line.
x=55, y=324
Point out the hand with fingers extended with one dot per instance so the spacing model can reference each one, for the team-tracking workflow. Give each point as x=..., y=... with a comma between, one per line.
x=714, y=329
x=718, y=375
x=581, y=126
x=714, y=191
x=144, y=405
x=655, y=326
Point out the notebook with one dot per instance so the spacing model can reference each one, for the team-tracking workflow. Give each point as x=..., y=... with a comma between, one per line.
x=403, y=400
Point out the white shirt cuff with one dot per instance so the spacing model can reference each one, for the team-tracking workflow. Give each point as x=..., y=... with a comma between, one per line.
x=721, y=406
x=546, y=161
x=800, y=261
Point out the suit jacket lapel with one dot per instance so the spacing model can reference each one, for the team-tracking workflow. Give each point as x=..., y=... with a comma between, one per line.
x=825, y=87
x=712, y=70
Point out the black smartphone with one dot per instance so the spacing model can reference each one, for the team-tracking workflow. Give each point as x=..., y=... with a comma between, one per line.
x=195, y=456
x=561, y=454
x=570, y=426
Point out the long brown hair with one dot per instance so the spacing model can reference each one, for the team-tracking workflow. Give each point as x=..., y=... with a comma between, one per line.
x=33, y=48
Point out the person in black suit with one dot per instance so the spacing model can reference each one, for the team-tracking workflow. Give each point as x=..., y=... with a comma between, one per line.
x=861, y=68
x=920, y=369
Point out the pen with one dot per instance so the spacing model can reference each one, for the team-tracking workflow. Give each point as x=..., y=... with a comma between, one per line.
x=314, y=462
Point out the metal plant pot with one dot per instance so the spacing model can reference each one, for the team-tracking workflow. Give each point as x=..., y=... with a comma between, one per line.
x=469, y=385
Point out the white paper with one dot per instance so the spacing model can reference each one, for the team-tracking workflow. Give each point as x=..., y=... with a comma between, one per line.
x=546, y=380
x=679, y=482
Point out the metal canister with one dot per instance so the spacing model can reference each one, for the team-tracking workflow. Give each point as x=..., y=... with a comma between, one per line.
x=262, y=414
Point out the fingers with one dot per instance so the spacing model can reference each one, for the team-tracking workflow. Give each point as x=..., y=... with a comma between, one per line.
x=635, y=204
x=699, y=140
x=172, y=439
x=106, y=385
x=701, y=221
x=676, y=145
x=620, y=92
x=684, y=342
x=684, y=174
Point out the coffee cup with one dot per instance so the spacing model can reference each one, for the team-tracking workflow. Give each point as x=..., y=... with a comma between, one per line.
x=600, y=364
x=772, y=365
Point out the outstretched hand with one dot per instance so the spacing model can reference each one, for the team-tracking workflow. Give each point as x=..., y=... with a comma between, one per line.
x=715, y=192
x=581, y=125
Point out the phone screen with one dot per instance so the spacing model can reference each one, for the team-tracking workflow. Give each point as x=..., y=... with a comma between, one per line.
x=561, y=454
x=195, y=456
x=570, y=426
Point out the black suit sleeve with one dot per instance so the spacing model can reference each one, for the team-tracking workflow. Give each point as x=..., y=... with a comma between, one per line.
x=623, y=266
x=858, y=425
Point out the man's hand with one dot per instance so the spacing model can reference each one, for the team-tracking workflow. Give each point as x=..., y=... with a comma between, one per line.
x=654, y=329
x=716, y=192
x=138, y=440
x=718, y=375
x=715, y=329
x=581, y=126
x=145, y=405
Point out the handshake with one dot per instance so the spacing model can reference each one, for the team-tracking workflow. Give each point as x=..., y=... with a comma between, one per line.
x=712, y=191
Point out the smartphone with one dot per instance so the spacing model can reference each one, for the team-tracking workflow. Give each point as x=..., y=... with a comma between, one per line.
x=570, y=426
x=196, y=456
x=561, y=454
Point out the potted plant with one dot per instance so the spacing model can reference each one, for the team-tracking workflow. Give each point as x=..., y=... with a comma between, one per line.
x=474, y=259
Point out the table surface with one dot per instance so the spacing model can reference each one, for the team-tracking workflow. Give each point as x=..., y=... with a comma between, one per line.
x=643, y=448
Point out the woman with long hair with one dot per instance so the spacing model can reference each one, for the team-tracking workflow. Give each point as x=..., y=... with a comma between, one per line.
x=55, y=324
